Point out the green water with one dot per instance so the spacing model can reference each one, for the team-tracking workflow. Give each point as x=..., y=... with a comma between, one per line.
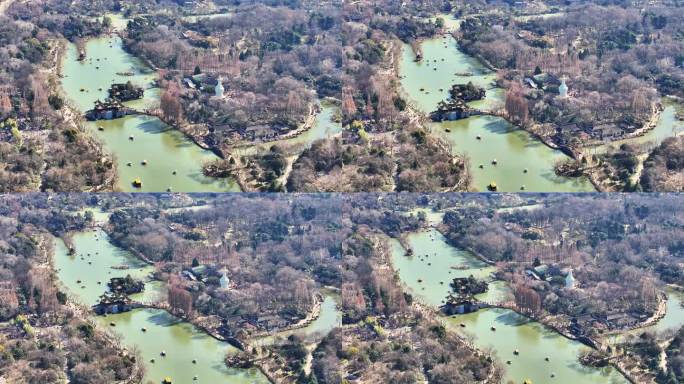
x=534, y=341
x=118, y=21
x=431, y=217
x=668, y=125
x=674, y=317
x=99, y=217
x=514, y=150
x=165, y=149
x=329, y=318
x=324, y=126
x=435, y=264
x=92, y=263
x=436, y=77
x=672, y=321
x=181, y=341
x=450, y=23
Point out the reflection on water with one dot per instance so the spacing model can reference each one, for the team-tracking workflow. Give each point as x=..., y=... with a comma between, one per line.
x=182, y=343
x=189, y=351
x=522, y=162
x=136, y=138
x=95, y=260
x=329, y=318
x=435, y=263
x=668, y=125
x=535, y=343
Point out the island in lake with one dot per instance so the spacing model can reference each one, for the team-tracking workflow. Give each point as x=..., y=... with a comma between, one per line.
x=284, y=288
x=378, y=96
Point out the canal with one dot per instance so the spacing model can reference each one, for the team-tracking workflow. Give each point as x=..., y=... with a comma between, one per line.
x=427, y=275
x=668, y=125
x=325, y=125
x=85, y=274
x=329, y=318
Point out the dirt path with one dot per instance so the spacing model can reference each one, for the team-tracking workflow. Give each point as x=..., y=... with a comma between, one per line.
x=288, y=169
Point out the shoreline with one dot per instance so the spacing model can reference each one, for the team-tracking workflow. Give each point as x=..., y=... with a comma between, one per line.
x=242, y=345
x=647, y=127
x=221, y=150
x=493, y=376
x=150, y=65
x=87, y=313
x=440, y=228
x=73, y=113
x=312, y=316
x=71, y=116
x=570, y=152
x=544, y=320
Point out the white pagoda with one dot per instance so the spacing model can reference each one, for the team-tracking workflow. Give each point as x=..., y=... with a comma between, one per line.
x=219, y=90
x=224, y=281
x=570, y=280
x=563, y=88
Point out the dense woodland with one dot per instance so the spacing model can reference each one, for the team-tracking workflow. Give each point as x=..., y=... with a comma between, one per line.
x=277, y=60
x=653, y=352
x=273, y=71
x=279, y=252
x=43, y=338
x=39, y=149
x=675, y=359
x=617, y=61
x=620, y=249
x=664, y=167
x=274, y=74
x=428, y=352
x=659, y=170
x=266, y=255
x=417, y=161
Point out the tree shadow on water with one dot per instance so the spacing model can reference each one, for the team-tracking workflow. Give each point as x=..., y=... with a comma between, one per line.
x=163, y=319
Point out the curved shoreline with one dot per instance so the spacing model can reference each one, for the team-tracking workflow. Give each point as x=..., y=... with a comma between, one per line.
x=75, y=114
x=544, y=321
x=413, y=109
x=87, y=312
x=72, y=116
x=241, y=345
